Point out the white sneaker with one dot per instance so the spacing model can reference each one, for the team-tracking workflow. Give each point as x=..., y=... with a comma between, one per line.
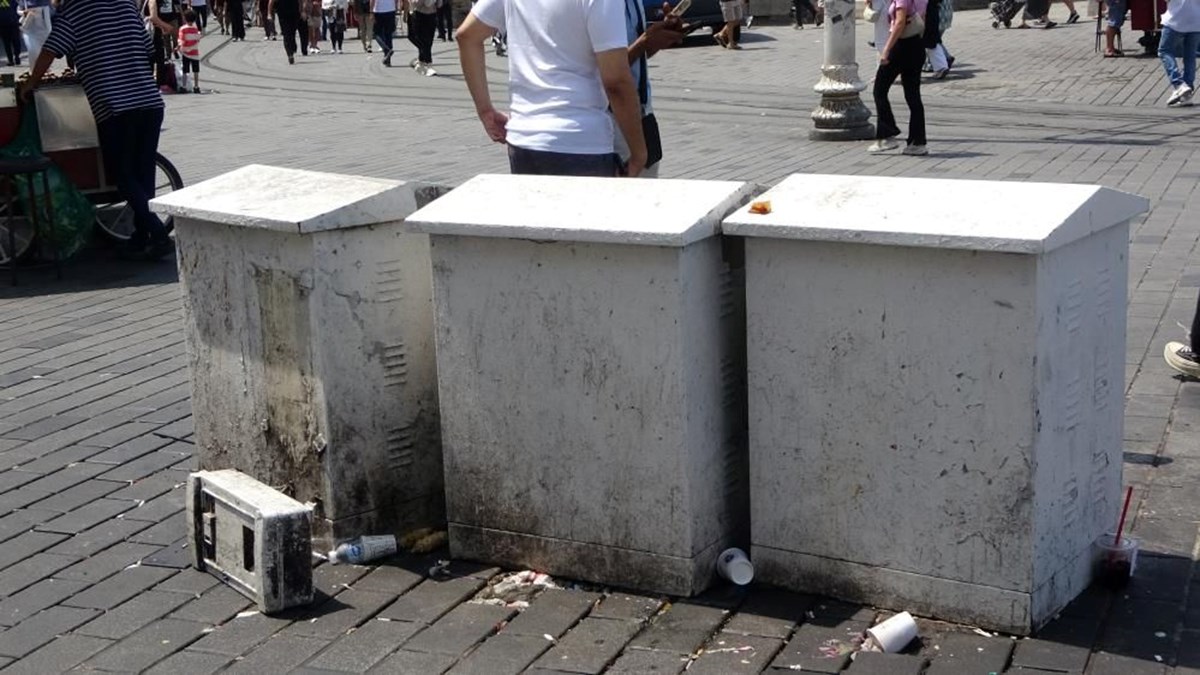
x=1181, y=92
x=1181, y=358
x=429, y=71
x=915, y=150
x=421, y=68
x=314, y=50
x=883, y=145
x=414, y=63
x=1186, y=100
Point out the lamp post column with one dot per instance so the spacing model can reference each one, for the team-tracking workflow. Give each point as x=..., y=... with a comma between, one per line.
x=841, y=115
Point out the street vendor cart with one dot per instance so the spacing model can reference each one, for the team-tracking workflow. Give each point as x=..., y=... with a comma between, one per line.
x=60, y=125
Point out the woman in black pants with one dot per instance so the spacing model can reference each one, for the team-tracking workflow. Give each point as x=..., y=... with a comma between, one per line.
x=237, y=19
x=902, y=56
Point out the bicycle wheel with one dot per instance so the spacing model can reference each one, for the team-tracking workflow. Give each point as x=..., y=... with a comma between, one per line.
x=115, y=219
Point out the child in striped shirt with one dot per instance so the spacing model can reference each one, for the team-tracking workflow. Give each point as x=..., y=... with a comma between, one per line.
x=189, y=48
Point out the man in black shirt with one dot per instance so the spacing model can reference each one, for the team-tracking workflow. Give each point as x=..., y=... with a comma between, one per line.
x=292, y=20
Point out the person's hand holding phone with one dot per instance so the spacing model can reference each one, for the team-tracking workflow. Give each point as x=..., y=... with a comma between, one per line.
x=668, y=32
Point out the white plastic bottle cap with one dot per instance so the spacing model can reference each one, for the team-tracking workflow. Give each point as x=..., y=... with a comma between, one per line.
x=333, y=557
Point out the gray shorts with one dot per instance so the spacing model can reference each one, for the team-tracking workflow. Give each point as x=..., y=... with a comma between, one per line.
x=733, y=10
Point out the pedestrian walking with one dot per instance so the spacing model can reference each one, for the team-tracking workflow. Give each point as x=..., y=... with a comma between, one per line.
x=10, y=31
x=236, y=12
x=1185, y=358
x=292, y=24
x=366, y=23
x=221, y=15
x=107, y=42
x=268, y=19
x=335, y=17
x=939, y=59
x=314, y=21
x=799, y=7
x=644, y=42
x=189, y=49
x=1180, y=39
x=901, y=55
x=422, y=26
x=445, y=20
x=200, y=7
x=35, y=23
x=568, y=66
x=732, y=12
x=384, y=12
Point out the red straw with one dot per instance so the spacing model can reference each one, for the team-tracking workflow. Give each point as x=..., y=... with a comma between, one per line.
x=1124, y=512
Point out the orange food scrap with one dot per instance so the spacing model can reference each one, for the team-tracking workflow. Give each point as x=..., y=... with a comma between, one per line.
x=761, y=208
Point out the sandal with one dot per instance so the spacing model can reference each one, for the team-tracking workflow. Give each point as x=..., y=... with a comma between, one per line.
x=1114, y=54
x=720, y=40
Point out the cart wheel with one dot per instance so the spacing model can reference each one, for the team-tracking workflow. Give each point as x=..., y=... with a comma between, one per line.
x=995, y=24
x=115, y=219
x=24, y=236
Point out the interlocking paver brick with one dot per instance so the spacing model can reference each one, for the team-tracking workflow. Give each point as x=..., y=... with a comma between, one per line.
x=31, y=570
x=590, y=646
x=121, y=434
x=164, y=532
x=240, y=635
x=59, y=656
x=626, y=607
x=148, y=488
x=147, y=646
x=432, y=598
x=215, y=606
x=875, y=663
x=648, y=662
x=405, y=662
x=462, y=628
x=46, y=593
x=139, y=468
x=76, y=496
x=503, y=654
x=106, y=563
x=18, y=499
x=59, y=459
x=65, y=478
x=41, y=628
x=365, y=647
x=189, y=581
x=821, y=649
x=730, y=654
x=85, y=517
x=389, y=579
x=174, y=555
x=957, y=653
x=279, y=654
x=1104, y=663
x=99, y=538
x=681, y=628
x=552, y=613
x=1040, y=654
x=129, y=450
x=341, y=613
x=24, y=520
x=119, y=587
x=188, y=662
x=133, y=615
x=25, y=545
x=159, y=508
x=769, y=612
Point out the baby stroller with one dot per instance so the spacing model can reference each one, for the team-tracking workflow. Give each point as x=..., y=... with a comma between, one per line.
x=1003, y=11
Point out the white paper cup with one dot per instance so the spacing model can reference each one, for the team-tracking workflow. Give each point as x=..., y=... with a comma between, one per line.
x=895, y=634
x=734, y=565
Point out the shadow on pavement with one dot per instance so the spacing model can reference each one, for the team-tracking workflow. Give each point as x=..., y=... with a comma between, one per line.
x=93, y=268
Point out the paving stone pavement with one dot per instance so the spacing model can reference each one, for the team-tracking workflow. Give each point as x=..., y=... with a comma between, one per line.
x=95, y=428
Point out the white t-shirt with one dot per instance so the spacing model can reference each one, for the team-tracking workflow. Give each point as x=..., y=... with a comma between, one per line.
x=558, y=102
x=1183, y=16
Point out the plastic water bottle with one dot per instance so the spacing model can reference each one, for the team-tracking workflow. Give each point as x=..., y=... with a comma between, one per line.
x=363, y=549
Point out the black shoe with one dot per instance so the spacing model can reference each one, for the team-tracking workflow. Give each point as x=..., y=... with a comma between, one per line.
x=949, y=62
x=387, y=59
x=160, y=249
x=291, y=59
x=195, y=90
x=1074, y=18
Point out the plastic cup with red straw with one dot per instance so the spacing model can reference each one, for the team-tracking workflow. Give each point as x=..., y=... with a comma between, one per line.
x=1118, y=553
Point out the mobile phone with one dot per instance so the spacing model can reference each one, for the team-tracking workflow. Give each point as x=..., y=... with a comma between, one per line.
x=682, y=7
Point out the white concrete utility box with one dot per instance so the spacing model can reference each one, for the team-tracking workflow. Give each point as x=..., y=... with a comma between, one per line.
x=936, y=389
x=590, y=364
x=309, y=319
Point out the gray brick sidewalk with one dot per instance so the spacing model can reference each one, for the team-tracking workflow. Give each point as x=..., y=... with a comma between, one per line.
x=95, y=422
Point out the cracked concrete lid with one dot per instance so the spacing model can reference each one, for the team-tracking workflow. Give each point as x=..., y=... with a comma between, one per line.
x=605, y=210
x=292, y=200
x=1009, y=217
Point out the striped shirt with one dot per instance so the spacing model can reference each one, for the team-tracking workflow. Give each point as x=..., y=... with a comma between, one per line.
x=111, y=49
x=189, y=42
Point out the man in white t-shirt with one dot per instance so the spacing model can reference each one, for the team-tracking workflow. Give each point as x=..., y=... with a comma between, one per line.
x=568, y=65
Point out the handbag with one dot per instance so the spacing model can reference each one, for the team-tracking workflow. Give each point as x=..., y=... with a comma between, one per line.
x=913, y=27
x=870, y=14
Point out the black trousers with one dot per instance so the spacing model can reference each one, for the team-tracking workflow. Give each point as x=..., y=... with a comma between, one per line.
x=268, y=19
x=1196, y=329
x=904, y=62
x=290, y=26
x=10, y=35
x=421, y=29
x=801, y=6
x=445, y=20
x=201, y=17
x=129, y=144
x=544, y=163
x=385, y=31
x=237, y=19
